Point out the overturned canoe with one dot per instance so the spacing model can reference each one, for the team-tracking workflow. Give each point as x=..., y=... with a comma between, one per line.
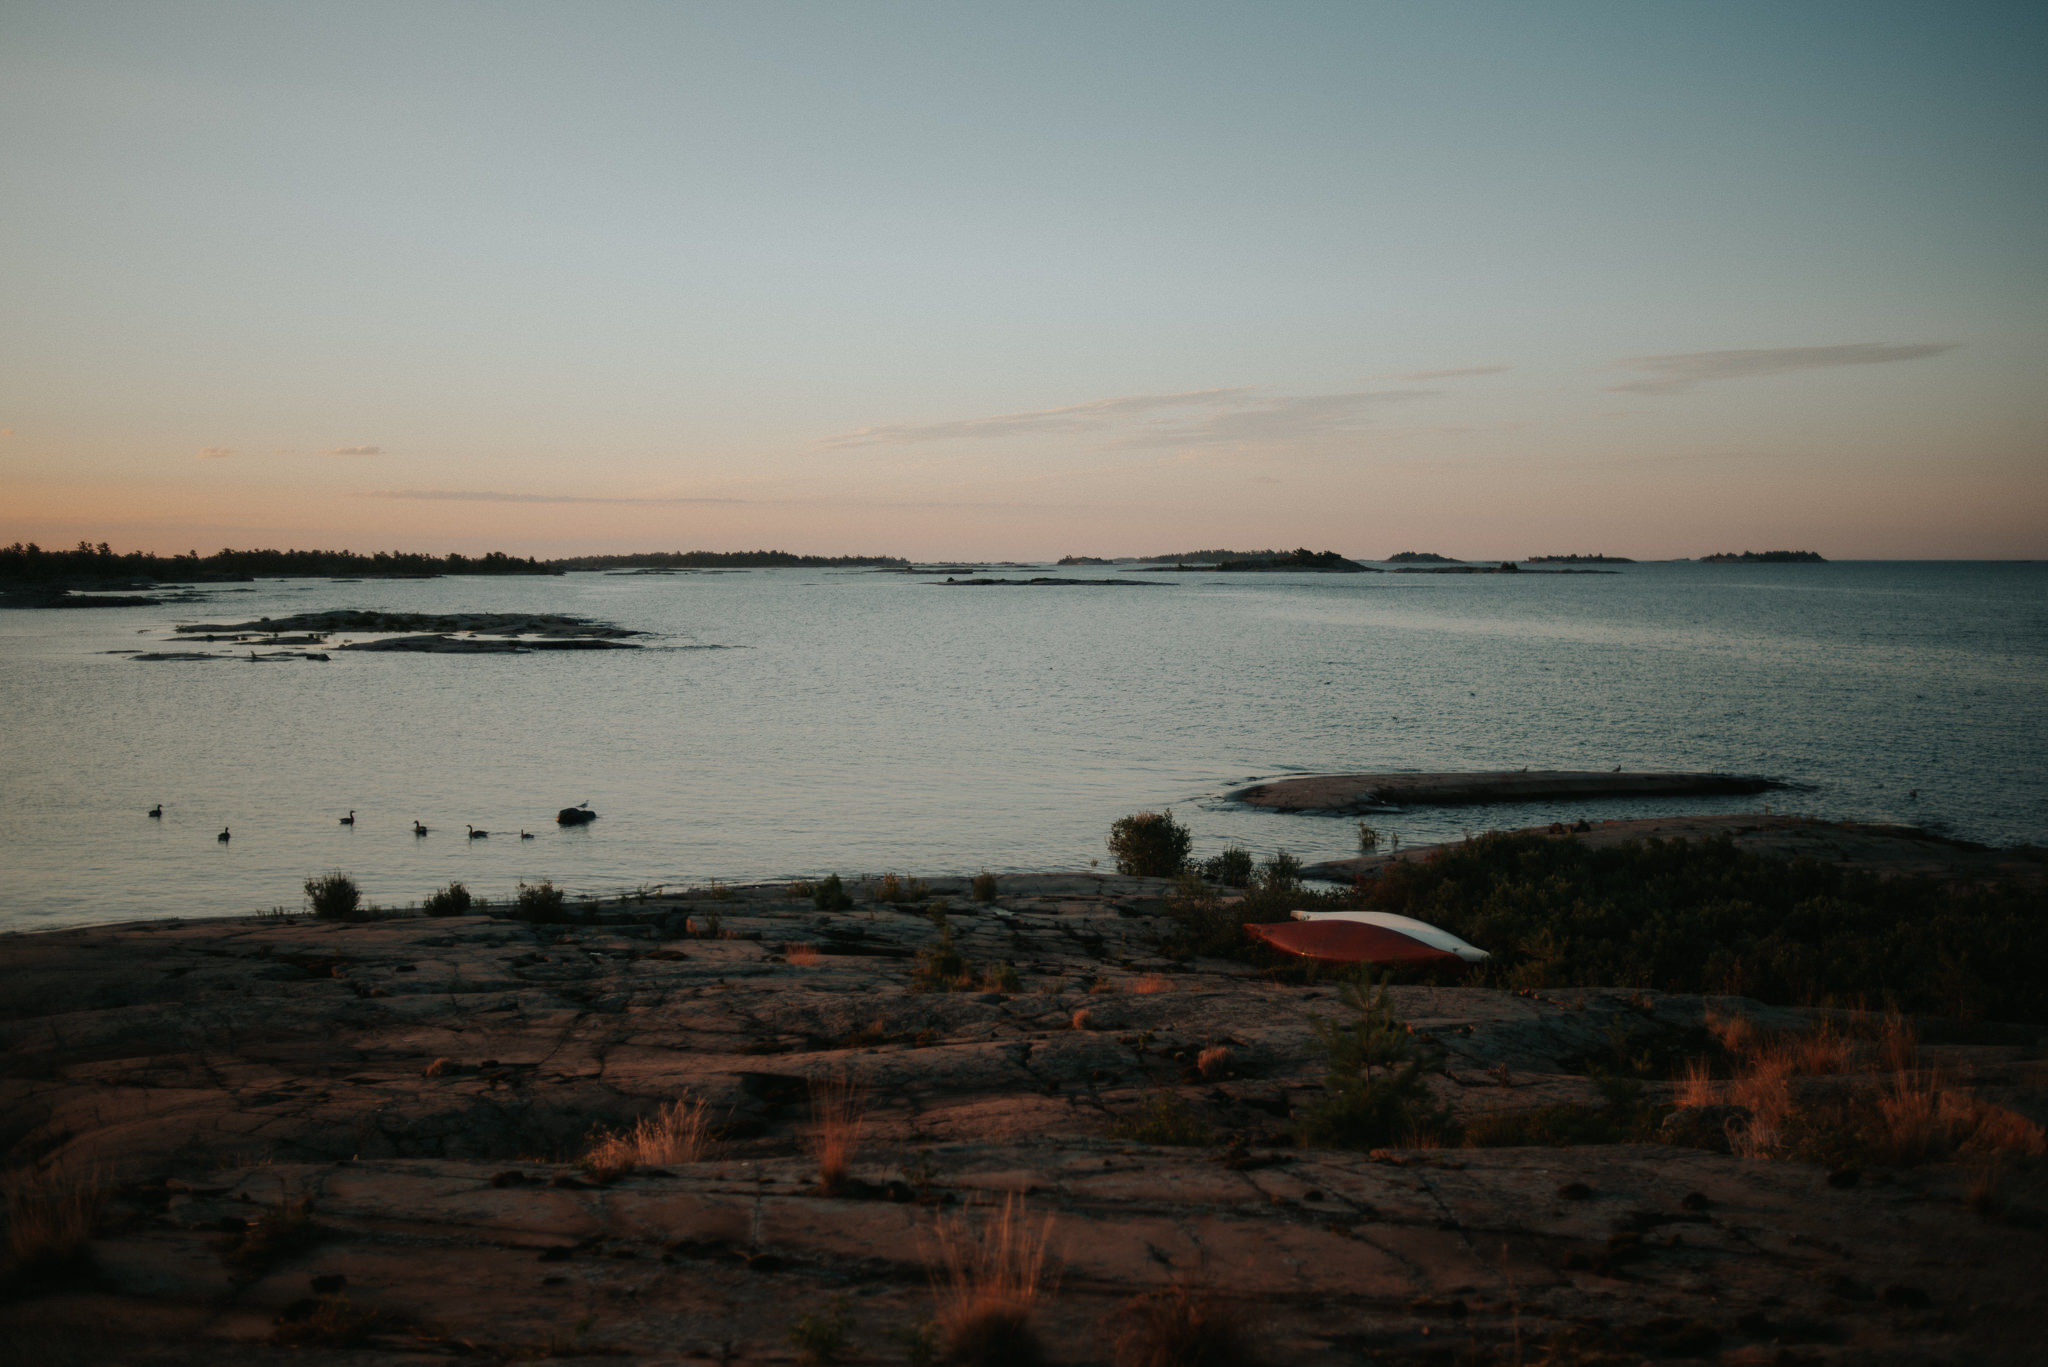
x=1364, y=937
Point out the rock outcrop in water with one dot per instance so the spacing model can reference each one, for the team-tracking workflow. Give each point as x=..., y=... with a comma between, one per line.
x=460, y=633
x=1366, y=792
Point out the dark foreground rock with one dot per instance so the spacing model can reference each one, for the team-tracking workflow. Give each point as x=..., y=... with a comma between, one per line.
x=423, y=1085
x=1364, y=792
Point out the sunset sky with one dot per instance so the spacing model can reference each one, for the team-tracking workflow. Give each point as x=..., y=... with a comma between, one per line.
x=1018, y=281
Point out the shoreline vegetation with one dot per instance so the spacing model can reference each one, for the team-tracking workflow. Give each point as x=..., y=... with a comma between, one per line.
x=48, y=577
x=86, y=575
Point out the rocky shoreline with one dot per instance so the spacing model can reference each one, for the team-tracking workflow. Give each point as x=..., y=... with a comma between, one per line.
x=364, y=1138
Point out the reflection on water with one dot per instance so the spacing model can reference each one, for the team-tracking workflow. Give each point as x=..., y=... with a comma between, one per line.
x=868, y=721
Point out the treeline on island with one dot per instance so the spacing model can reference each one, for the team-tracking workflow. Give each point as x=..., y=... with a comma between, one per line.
x=699, y=560
x=87, y=564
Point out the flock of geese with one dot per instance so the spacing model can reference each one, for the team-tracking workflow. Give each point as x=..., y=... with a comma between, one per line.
x=157, y=813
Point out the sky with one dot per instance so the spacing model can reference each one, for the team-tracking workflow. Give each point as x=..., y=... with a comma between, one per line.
x=1021, y=281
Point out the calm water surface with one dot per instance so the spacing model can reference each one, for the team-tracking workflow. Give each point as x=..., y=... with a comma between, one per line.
x=788, y=722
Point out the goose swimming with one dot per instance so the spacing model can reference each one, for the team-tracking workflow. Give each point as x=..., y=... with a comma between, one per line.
x=475, y=834
x=418, y=829
x=157, y=811
x=223, y=836
x=350, y=819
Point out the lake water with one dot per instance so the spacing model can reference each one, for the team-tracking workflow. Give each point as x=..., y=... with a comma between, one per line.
x=861, y=722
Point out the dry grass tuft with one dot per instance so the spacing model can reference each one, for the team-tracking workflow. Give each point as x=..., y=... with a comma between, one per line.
x=1921, y=1117
x=680, y=1132
x=1696, y=1086
x=50, y=1218
x=1739, y=1035
x=1182, y=1326
x=1152, y=982
x=805, y=955
x=436, y=1068
x=1215, y=1062
x=1082, y=1018
x=1913, y=1115
x=988, y=1276
x=1898, y=1047
x=838, y=1112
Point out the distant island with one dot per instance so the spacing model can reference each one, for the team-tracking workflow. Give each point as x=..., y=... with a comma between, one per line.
x=1419, y=558
x=1321, y=562
x=745, y=560
x=1580, y=560
x=1208, y=557
x=1764, y=558
x=1265, y=562
x=33, y=577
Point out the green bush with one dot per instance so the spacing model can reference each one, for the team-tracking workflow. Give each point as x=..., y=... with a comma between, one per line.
x=334, y=896
x=984, y=886
x=1204, y=927
x=900, y=891
x=1705, y=917
x=1375, y=1087
x=1281, y=874
x=1232, y=868
x=829, y=894
x=1149, y=844
x=453, y=900
x=541, y=902
x=942, y=968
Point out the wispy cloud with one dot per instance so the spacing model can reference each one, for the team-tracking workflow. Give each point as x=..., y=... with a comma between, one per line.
x=353, y=451
x=1202, y=417
x=215, y=452
x=1095, y=415
x=495, y=496
x=1283, y=420
x=1677, y=373
x=1459, y=373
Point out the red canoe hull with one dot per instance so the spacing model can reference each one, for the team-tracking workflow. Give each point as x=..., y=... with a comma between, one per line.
x=1347, y=942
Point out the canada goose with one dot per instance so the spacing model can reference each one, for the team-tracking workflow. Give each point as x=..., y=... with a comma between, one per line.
x=526, y=835
x=223, y=836
x=350, y=819
x=475, y=834
x=157, y=811
x=418, y=829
